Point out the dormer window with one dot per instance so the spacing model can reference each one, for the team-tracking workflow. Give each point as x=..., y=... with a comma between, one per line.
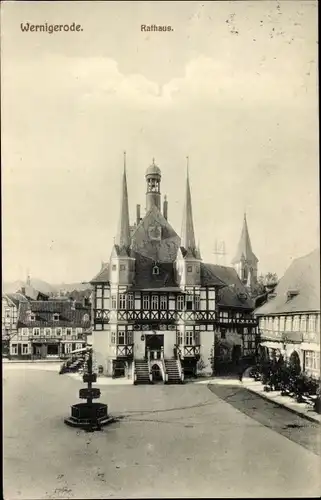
x=292, y=293
x=155, y=270
x=32, y=317
x=56, y=317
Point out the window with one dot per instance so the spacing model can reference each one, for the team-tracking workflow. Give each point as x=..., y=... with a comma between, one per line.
x=312, y=323
x=130, y=337
x=311, y=360
x=288, y=323
x=24, y=331
x=113, y=302
x=122, y=267
x=180, y=302
x=121, y=338
x=58, y=332
x=179, y=338
x=47, y=332
x=68, y=331
x=56, y=317
x=32, y=317
x=25, y=349
x=122, y=301
x=78, y=330
x=36, y=331
x=14, y=349
x=114, y=267
x=303, y=324
x=296, y=323
x=130, y=301
x=113, y=337
x=7, y=313
x=78, y=345
x=163, y=302
x=197, y=302
x=189, y=302
x=68, y=348
x=145, y=301
x=189, y=338
x=155, y=270
x=154, y=301
x=189, y=269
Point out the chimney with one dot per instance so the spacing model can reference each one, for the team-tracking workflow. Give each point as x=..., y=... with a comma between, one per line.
x=165, y=207
x=23, y=290
x=73, y=305
x=137, y=214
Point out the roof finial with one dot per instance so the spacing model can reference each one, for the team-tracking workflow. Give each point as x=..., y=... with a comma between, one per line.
x=187, y=166
x=124, y=161
x=153, y=161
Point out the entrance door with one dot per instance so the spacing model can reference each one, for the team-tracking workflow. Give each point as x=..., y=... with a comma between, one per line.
x=154, y=344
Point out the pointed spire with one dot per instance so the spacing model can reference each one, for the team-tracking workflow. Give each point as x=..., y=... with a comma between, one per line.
x=123, y=235
x=188, y=236
x=244, y=249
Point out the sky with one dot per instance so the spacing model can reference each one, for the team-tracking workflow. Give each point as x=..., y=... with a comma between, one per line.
x=233, y=86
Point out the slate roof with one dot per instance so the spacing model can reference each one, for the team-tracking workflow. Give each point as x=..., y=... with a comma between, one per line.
x=44, y=311
x=145, y=279
x=102, y=276
x=302, y=276
x=232, y=294
x=16, y=298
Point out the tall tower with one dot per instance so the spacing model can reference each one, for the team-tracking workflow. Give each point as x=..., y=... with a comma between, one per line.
x=153, y=195
x=188, y=257
x=121, y=264
x=245, y=261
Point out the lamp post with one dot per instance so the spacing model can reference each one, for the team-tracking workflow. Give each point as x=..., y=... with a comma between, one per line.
x=89, y=416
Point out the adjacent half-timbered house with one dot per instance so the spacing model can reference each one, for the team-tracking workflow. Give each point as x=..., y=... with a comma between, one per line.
x=155, y=303
x=289, y=322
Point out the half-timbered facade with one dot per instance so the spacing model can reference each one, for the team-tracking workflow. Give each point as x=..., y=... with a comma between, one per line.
x=10, y=312
x=49, y=329
x=155, y=301
x=289, y=322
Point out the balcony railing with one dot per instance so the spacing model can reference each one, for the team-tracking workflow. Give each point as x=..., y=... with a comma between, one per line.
x=188, y=351
x=125, y=351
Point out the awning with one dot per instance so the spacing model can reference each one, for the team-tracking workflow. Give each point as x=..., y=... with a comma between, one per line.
x=305, y=346
x=272, y=345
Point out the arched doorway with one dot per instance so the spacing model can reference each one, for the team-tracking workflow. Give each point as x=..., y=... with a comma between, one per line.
x=156, y=374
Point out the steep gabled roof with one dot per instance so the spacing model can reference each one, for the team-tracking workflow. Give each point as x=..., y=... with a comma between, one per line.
x=244, y=249
x=16, y=298
x=145, y=279
x=234, y=294
x=102, y=276
x=70, y=314
x=298, y=290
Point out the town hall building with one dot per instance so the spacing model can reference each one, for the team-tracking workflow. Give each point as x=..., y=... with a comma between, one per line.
x=158, y=309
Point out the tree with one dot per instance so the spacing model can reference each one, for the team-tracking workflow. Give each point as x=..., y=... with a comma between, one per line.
x=265, y=283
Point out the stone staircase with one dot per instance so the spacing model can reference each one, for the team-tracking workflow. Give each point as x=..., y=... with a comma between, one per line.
x=142, y=372
x=172, y=371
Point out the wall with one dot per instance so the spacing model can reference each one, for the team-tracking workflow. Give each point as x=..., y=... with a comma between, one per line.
x=207, y=343
x=101, y=346
x=169, y=341
x=139, y=345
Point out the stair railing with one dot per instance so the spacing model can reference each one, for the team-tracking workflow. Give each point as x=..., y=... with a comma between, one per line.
x=149, y=366
x=180, y=368
x=163, y=364
x=134, y=373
